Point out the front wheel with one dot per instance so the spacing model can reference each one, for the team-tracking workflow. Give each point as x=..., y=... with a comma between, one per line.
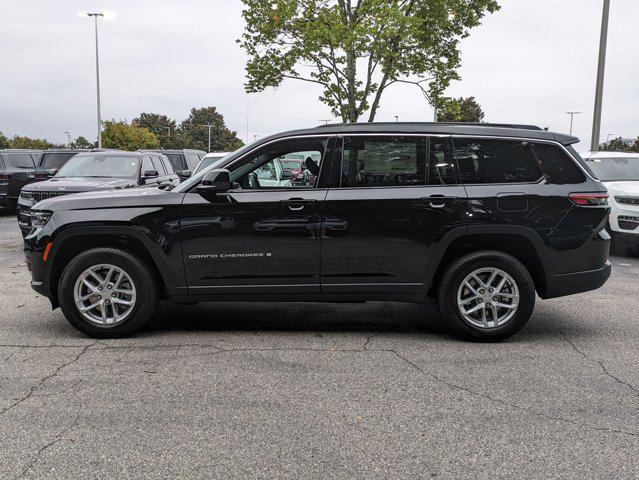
x=486, y=295
x=107, y=293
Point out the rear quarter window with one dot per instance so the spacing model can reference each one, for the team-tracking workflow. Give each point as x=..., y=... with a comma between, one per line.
x=482, y=161
x=559, y=167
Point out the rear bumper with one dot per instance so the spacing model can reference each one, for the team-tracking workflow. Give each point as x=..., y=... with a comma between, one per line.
x=559, y=285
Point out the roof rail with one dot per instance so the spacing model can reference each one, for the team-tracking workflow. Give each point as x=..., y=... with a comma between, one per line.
x=462, y=124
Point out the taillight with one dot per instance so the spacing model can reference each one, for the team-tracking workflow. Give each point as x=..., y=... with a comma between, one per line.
x=4, y=178
x=41, y=176
x=589, y=199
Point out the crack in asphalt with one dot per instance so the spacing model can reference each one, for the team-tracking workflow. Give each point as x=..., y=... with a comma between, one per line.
x=41, y=382
x=53, y=441
x=511, y=405
x=598, y=362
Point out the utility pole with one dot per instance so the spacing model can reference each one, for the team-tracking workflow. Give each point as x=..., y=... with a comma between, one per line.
x=603, y=43
x=572, y=117
x=210, y=126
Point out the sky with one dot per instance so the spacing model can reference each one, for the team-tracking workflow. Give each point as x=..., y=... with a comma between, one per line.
x=530, y=63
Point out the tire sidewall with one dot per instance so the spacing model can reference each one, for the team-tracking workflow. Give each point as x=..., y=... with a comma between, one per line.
x=146, y=296
x=448, y=296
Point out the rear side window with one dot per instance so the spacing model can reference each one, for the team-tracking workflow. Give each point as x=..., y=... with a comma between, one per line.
x=559, y=167
x=495, y=161
x=21, y=160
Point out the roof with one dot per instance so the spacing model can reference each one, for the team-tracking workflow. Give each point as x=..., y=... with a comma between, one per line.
x=162, y=150
x=587, y=155
x=483, y=129
x=111, y=153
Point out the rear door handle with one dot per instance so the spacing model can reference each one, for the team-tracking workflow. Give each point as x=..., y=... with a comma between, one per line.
x=297, y=204
x=439, y=201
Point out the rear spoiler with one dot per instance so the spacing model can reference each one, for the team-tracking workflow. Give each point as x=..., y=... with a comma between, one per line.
x=566, y=139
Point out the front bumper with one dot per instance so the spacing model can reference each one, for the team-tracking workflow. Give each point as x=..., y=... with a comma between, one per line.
x=559, y=285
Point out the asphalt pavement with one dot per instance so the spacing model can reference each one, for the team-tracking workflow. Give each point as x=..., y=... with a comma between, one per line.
x=241, y=390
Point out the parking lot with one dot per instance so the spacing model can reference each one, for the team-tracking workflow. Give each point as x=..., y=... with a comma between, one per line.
x=319, y=391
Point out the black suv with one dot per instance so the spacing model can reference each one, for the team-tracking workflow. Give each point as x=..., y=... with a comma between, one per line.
x=184, y=161
x=51, y=161
x=16, y=166
x=478, y=216
x=98, y=170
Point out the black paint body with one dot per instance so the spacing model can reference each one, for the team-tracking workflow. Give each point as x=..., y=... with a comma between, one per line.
x=332, y=243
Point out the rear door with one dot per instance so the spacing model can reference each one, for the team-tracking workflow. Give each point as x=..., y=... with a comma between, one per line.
x=392, y=199
x=22, y=166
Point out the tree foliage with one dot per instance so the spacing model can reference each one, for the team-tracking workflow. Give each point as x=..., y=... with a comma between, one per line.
x=124, y=136
x=356, y=49
x=4, y=141
x=163, y=127
x=620, y=145
x=82, y=142
x=19, y=141
x=195, y=134
x=459, y=110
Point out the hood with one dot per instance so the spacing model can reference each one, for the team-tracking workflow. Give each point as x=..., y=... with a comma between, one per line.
x=132, y=197
x=80, y=184
x=628, y=188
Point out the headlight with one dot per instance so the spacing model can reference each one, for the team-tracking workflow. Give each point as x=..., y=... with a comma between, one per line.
x=627, y=200
x=39, y=218
x=26, y=195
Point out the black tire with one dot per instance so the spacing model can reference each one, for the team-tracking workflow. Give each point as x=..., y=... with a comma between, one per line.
x=455, y=274
x=146, y=292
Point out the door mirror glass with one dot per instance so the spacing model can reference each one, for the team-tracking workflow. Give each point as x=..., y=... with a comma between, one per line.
x=184, y=173
x=215, y=181
x=52, y=171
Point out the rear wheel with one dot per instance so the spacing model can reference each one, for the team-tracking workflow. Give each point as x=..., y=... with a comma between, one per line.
x=486, y=295
x=107, y=293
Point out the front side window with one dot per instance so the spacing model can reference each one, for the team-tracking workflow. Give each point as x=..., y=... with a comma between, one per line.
x=287, y=164
x=495, y=161
x=158, y=166
x=118, y=166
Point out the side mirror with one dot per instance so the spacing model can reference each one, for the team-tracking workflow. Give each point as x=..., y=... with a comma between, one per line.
x=215, y=181
x=184, y=173
x=150, y=174
x=52, y=171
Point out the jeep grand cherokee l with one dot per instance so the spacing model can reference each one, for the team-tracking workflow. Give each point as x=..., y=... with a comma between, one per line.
x=481, y=217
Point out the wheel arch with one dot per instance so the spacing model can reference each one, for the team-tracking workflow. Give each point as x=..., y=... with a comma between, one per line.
x=522, y=243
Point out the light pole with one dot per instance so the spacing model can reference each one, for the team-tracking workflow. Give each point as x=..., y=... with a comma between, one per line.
x=603, y=42
x=396, y=118
x=68, y=139
x=210, y=126
x=608, y=137
x=95, y=16
x=572, y=117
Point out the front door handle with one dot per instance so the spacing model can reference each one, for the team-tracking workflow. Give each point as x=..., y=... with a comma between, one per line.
x=439, y=201
x=297, y=204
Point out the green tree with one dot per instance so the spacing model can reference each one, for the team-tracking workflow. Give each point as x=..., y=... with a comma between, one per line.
x=33, y=143
x=355, y=50
x=82, y=142
x=124, y=136
x=4, y=141
x=163, y=127
x=459, y=110
x=616, y=145
x=195, y=134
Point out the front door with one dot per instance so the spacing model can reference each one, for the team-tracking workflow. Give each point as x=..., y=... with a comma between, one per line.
x=264, y=234
x=391, y=202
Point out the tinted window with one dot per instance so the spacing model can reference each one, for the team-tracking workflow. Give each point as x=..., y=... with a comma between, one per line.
x=192, y=160
x=55, y=160
x=157, y=164
x=441, y=165
x=615, y=168
x=91, y=165
x=495, y=161
x=21, y=160
x=177, y=160
x=384, y=161
x=559, y=167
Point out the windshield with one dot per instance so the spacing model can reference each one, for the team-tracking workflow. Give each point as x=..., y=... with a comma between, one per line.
x=207, y=162
x=615, y=168
x=118, y=166
x=55, y=160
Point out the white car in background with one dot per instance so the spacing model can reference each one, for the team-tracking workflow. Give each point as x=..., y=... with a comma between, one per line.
x=619, y=172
